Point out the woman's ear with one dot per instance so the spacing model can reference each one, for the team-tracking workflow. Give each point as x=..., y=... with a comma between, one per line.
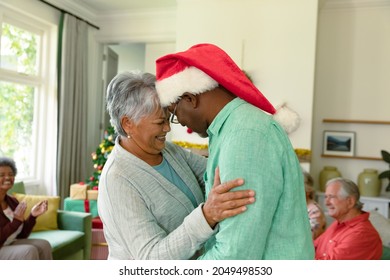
x=127, y=124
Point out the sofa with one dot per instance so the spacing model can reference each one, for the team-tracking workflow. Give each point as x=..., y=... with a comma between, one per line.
x=382, y=225
x=73, y=239
x=69, y=233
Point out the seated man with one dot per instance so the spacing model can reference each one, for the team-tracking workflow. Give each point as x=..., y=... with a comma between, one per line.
x=351, y=236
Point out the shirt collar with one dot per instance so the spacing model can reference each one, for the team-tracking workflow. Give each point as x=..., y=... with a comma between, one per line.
x=356, y=220
x=222, y=116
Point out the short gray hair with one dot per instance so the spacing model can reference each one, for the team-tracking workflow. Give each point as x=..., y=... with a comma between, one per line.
x=348, y=188
x=5, y=161
x=132, y=94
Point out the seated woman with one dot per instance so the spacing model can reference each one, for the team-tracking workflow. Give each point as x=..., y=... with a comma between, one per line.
x=14, y=229
x=151, y=192
x=316, y=214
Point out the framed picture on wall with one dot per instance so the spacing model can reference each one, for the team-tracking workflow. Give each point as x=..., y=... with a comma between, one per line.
x=339, y=143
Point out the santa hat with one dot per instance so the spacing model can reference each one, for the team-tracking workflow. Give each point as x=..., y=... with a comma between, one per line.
x=202, y=68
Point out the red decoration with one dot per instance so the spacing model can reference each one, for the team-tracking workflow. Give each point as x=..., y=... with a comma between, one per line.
x=86, y=206
x=97, y=223
x=100, y=156
x=189, y=130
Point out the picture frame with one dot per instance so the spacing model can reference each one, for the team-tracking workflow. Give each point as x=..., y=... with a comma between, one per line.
x=339, y=143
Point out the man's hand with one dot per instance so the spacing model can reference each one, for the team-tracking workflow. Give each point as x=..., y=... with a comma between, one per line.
x=222, y=203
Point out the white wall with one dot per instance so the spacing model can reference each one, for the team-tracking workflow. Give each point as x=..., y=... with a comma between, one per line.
x=352, y=82
x=273, y=40
x=131, y=56
x=142, y=27
x=154, y=51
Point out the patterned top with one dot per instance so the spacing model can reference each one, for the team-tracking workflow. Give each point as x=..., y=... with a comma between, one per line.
x=247, y=143
x=316, y=217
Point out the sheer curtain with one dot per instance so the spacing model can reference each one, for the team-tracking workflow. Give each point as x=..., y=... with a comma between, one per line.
x=73, y=104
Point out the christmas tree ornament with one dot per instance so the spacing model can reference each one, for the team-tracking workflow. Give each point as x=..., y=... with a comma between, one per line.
x=100, y=156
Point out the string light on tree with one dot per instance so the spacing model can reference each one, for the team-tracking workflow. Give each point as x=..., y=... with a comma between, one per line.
x=100, y=156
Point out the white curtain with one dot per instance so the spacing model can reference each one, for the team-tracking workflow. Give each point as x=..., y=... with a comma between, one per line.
x=73, y=105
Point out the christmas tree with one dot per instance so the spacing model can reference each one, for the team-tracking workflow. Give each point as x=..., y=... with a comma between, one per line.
x=99, y=157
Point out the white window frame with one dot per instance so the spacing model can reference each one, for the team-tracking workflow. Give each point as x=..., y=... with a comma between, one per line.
x=44, y=135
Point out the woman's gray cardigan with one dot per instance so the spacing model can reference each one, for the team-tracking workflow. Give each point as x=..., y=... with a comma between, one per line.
x=144, y=215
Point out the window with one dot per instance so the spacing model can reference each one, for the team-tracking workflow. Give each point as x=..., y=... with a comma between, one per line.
x=27, y=97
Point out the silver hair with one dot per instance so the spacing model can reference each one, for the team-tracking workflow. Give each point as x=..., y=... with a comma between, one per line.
x=348, y=188
x=132, y=94
x=5, y=161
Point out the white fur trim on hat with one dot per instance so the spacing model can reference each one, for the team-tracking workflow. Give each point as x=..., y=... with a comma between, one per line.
x=287, y=118
x=191, y=80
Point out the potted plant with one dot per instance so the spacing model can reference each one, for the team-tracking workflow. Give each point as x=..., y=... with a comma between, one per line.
x=386, y=174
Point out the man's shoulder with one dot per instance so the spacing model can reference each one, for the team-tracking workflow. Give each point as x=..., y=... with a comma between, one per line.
x=247, y=115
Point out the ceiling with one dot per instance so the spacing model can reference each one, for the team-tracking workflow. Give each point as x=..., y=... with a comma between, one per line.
x=104, y=6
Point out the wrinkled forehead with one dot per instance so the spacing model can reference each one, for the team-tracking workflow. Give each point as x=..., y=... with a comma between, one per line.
x=333, y=188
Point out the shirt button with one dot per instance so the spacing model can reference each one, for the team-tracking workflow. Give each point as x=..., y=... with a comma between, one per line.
x=330, y=241
x=324, y=254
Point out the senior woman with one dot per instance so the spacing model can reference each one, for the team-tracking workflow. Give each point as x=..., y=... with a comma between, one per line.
x=151, y=198
x=14, y=229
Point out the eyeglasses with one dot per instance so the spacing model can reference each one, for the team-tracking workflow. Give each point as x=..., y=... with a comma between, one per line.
x=173, y=116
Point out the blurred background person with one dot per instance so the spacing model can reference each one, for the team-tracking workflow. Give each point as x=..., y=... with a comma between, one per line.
x=14, y=229
x=316, y=214
x=351, y=236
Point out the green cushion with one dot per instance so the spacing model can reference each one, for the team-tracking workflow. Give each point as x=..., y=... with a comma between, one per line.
x=63, y=242
x=386, y=253
x=17, y=188
x=78, y=205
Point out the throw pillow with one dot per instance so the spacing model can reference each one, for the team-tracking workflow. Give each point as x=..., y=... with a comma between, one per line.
x=47, y=221
x=382, y=225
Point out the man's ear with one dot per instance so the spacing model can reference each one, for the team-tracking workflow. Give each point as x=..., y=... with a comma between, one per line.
x=351, y=202
x=191, y=98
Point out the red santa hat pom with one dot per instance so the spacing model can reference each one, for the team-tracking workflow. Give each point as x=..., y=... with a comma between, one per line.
x=287, y=118
x=202, y=68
